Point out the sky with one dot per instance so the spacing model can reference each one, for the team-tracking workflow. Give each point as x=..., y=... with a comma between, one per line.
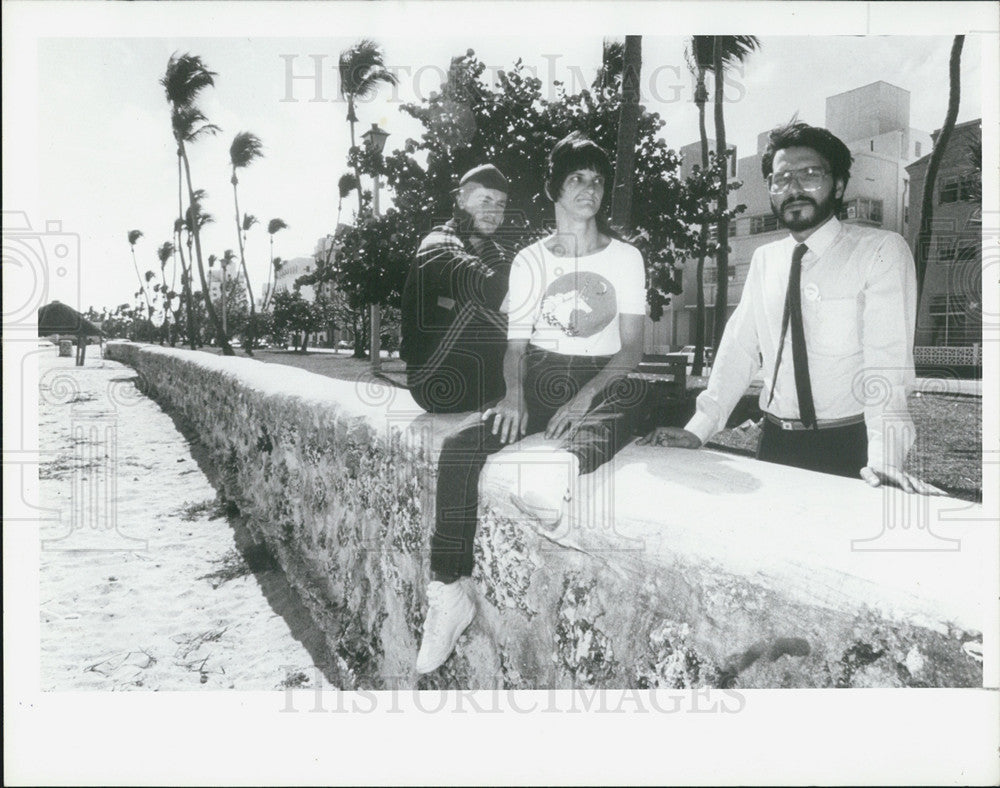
x=106, y=164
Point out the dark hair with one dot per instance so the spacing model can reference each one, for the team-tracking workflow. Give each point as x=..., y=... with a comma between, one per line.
x=576, y=152
x=796, y=134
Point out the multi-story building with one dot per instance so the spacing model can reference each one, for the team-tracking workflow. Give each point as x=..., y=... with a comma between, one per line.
x=949, y=319
x=873, y=121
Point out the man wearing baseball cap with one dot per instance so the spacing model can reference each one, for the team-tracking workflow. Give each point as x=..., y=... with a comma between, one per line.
x=454, y=334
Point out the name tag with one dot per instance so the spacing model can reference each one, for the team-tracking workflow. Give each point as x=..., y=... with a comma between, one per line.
x=446, y=303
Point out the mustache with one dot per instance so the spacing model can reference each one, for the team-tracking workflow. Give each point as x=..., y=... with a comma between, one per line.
x=802, y=198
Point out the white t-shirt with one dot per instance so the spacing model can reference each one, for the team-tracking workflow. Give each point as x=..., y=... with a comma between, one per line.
x=570, y=305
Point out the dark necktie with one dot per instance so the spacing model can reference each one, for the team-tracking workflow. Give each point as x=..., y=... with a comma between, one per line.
x=800, y=361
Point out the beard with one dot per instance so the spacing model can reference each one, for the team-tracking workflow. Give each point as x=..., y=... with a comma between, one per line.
x=807, y=214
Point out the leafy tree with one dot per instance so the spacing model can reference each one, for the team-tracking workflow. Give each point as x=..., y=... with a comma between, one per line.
x=293, y=313
x=514, y=126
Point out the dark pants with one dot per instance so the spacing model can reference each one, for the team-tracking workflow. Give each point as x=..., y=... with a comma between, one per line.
x=842, y=451
x=465, y=380
x=551, y=381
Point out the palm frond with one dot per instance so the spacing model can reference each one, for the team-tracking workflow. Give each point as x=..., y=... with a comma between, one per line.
x=277, y=262
x=165, y=251
x=149, y=275
x=612, y=63
x=189, y=123
x=276, y=224
x=179, y=224
x=362, y=68
x=346, y=184
x=133, y=236
x=186, y=76
x=249, y=220
x=245, y=148
x=735, y=49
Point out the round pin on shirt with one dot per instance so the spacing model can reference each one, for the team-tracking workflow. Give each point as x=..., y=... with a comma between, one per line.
x=811, y=292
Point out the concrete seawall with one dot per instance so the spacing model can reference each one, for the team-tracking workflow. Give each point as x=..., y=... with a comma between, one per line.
x=681, y=569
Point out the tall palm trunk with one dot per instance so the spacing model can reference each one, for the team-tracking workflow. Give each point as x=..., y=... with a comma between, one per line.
x=186, y=290
x=628, y=130
x=243, y=265
x=940, y=145
x=227, y=349
x=142, y=285
x=352, y=119
x=698, y=366
x=722, y=265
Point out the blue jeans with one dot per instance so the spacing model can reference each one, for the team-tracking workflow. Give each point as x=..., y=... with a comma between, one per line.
x=551, y=380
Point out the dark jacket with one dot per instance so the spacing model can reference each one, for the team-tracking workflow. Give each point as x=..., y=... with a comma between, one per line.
x=454, y=334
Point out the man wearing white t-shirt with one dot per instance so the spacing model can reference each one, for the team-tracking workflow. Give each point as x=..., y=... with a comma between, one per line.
x=575, y=305
x=831, y=311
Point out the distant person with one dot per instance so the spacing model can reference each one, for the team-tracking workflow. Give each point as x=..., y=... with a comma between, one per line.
x=576, y=308
x=454, y=334
x=828, y=313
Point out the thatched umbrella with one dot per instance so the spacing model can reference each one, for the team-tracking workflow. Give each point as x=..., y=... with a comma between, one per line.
x=59, y=318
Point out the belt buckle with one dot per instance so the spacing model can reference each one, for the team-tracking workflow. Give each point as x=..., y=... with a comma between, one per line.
x=787, y=425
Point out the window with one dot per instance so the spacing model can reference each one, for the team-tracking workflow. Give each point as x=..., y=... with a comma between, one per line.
x=955, y=188
x=916, y=149
x=952, y=316
x=969, y=186
x=763, y=224
x=713, y=231
x=862, y=209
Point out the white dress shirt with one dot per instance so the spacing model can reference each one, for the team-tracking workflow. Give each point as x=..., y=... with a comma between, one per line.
x=859, y=299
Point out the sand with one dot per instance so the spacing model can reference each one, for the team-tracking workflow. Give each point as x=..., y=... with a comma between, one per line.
x=142, y=583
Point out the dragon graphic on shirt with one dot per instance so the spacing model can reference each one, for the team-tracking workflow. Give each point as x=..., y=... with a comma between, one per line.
x=580, y=304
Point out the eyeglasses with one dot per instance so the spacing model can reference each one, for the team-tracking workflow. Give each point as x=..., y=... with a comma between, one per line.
x=809, y=178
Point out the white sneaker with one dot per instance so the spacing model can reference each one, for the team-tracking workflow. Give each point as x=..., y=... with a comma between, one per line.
x=450, y=610
x=547, y=488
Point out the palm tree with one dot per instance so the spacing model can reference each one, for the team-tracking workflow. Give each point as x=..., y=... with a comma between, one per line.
x=133, y=236
x=164, y=253
x=186, y=76
x=179, y=227
x=609, y=76
x=228, y=258
x=628, y=131
x=940, y=145
x=277, y=264
x=273, y=226
x=245, y=148
x=714, y=54
x=362, y=69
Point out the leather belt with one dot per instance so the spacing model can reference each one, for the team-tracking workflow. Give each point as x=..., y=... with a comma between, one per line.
x=823, y=424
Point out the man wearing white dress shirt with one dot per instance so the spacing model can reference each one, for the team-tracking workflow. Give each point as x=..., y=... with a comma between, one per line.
x=828, y=314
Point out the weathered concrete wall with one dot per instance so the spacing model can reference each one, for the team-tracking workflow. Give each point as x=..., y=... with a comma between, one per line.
x=683, y=569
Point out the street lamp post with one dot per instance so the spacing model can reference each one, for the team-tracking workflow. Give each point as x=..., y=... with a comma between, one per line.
x=375, y=143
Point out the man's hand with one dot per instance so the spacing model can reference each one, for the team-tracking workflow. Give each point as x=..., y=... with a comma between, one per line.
x=511, y=419
x=569, y=416
x=671, y=436
x=894, y=476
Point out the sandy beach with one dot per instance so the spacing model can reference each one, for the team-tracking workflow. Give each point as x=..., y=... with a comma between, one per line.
x=146, y=580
